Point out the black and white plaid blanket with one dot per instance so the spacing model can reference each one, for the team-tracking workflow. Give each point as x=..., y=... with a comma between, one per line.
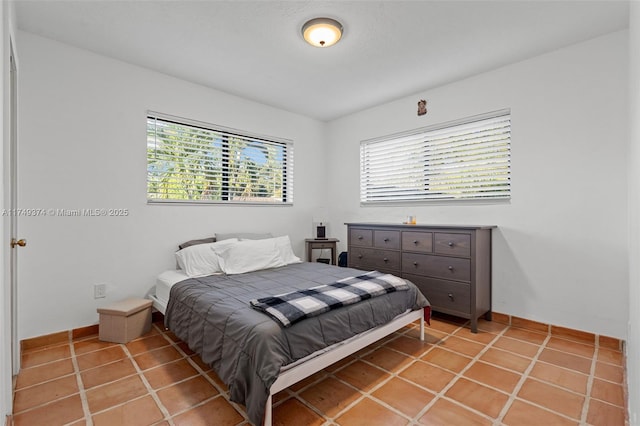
x=289, y=308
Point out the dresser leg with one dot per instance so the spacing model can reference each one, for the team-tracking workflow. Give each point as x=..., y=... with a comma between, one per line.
x=488, y=316
x=474, y=325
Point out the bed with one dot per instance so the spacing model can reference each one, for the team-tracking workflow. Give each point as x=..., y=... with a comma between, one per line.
x=251, y=352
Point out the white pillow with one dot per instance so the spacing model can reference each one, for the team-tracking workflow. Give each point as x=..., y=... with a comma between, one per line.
x=249, y=255
x=200, y=260
x=283, y=245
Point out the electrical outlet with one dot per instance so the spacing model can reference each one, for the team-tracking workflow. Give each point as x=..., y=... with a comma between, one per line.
x=99, y=291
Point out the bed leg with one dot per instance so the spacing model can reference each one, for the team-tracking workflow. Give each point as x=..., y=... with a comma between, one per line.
x=421, y=330
x=268, y=411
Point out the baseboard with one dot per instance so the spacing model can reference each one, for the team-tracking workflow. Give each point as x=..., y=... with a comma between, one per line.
x=564, y=332
x=512, y=320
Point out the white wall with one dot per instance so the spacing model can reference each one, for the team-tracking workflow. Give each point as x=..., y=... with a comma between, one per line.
x=83, y=145
x=633, y=340
x=560, y=250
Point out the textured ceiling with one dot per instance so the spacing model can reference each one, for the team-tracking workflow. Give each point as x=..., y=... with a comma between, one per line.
x=254, y=49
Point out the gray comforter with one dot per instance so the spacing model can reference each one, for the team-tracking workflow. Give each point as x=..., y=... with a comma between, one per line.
x=245, y=347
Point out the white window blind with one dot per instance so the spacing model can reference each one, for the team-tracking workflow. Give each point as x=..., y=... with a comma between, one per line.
x=189, y=161
x=464, y=160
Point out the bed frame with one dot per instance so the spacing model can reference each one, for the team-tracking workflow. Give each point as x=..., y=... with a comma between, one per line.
x=328, y=356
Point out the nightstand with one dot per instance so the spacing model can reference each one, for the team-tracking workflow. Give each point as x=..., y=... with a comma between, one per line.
x=316, y=244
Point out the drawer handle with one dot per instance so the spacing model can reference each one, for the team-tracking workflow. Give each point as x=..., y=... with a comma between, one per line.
x=386, y=240
x=385, y=259
x=359, y=256
x=451, y=268
x=450, y=244
x=359, y=237
x=415, y=242
x=450, y=296
x=415, y=264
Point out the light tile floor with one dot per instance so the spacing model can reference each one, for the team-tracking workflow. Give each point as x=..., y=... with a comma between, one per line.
x=503, y=375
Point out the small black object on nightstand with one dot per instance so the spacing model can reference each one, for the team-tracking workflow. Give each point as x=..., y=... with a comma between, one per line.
x=321, y=232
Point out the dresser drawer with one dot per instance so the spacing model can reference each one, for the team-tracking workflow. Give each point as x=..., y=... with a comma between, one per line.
x=363, y=258
x=451, y=268
x=453, y=244
x=444, y=296
x=417, y=241
x=322, y=246
x=361, y=237
x=386, y=239
x=450, y=264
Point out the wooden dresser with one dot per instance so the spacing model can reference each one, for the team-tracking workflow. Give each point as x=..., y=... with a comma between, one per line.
x=451, y=265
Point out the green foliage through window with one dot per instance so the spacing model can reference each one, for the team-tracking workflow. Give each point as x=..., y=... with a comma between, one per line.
x=198, y=163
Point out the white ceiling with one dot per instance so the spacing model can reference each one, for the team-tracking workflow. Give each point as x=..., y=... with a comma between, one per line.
x=254, y=49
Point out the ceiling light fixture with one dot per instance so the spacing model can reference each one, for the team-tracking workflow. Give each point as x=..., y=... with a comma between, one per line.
x=322, y=32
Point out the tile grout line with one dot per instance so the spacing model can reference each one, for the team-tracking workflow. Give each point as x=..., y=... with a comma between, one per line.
x=592, y=372
x=415, y=359
x=150, y=390
x=221, y=392
x=108, y=382
x=551, y=384
x=324, y=416
x=363, y=394
x=441, y=394
x=329, y=374
x=83, y=393
x=369, y=393
x=396, y=374
x=296, y=394
x=128, y=356
x=74, y=373
x=523, y=377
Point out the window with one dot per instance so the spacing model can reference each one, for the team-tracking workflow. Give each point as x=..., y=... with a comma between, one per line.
x=189, y=161
x=465, y=160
